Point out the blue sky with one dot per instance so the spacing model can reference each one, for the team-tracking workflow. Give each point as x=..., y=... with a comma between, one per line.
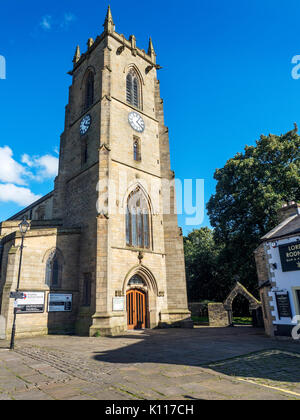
x=226, y=79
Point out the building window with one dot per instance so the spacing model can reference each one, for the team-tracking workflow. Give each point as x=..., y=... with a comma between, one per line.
x=136, y=281
x=133, y=89
x=40, y=213
x=54, y=270
x=84, y=151
x=137, y=149
x=298, y=295
x=87, y=290
x=137, y=221
x=89, y=90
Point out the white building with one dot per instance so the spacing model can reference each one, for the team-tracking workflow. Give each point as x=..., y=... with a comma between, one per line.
x=278, y=267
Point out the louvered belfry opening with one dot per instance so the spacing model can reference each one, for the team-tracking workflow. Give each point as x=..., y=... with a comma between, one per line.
x=132, y=89
x=89, y=90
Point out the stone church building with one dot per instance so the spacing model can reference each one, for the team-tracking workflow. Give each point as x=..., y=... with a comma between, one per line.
x=104, y=252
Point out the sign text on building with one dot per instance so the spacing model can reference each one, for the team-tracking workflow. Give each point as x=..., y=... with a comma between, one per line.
x=290, y=256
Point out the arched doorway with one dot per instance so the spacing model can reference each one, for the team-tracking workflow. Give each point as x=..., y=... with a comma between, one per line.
x=241, y=314
x=242, y=302
x=136, y=309
x=136, y=300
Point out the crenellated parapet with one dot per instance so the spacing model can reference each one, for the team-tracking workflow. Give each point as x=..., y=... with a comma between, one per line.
x=131, y=44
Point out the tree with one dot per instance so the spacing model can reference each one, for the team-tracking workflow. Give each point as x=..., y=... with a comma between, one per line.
x=201, y=258
x=250, y=189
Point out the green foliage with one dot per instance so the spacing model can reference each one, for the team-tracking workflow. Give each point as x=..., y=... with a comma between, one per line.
x=242, y=320
x=250, y=188
x=201, y=257
x=198, y=320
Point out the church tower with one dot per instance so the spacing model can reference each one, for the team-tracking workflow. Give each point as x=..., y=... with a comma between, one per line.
x=115, y=184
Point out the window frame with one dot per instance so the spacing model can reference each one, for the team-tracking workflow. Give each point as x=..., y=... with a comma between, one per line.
x=138, y=222
x=133, y=89
x=137, y=154
x=89, y=90
x=54, y=259
x=84, y=151
x=87, y=290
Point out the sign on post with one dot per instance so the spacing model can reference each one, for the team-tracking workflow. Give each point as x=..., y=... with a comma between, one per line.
x=16, y=295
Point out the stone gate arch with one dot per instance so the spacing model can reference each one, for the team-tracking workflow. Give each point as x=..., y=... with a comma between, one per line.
x=239, y=289
x=221, y=315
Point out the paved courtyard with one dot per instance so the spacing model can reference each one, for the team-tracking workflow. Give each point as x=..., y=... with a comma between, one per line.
x=204, y=363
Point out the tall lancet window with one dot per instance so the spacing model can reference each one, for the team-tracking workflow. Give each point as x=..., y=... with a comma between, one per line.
x=89, y=90
x=137, y=149
x=133, y=89
x=137, y=220
x=53, y=270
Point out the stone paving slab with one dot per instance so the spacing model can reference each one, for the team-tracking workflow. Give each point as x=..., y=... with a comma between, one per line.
x=274, y=368
x=205, y=363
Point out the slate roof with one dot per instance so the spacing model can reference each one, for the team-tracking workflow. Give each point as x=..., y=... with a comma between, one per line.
x=289, y=227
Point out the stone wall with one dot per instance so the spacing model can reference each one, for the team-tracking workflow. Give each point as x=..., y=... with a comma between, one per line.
x=265, y=280
x=198, y=309
x=38, y=245
x=2, y=328
x=42, y=209
x=218, y=316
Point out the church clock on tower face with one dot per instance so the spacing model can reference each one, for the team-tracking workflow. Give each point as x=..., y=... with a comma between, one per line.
x=136, y=122
x=85, y=124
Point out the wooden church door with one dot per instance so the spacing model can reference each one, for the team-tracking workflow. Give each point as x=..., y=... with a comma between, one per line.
x=136, y=310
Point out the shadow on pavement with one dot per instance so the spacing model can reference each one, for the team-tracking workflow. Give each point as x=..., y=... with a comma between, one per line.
x=243, y=352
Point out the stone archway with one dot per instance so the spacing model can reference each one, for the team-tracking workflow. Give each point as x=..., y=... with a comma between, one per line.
x=148, y=287
x=254, y=304
x=220, y=314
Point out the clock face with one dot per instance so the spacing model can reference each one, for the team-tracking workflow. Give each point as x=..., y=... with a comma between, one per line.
x=85, y=124
x=136, y=122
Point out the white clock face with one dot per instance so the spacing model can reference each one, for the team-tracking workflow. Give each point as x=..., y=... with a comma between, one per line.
x=136, y=122
x=85, y=124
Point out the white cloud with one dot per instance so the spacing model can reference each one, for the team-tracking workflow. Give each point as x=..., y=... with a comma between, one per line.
x=47, y=166
x=15, y=176
x=10, y=170
x=67, y=20
x=27, y=160
x=49, y=22
x=46, y=22
x=42, y=167
x=19, y=195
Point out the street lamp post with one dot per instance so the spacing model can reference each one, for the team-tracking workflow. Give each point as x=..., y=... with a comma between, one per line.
x=23, y=226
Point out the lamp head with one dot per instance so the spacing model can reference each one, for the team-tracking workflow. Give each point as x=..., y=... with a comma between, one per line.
x=24, y=226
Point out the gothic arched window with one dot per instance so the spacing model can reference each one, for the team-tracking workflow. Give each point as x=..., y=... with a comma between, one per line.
x=89, y=90
x=54, y=270
x=132, y=89
x=137, y=220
